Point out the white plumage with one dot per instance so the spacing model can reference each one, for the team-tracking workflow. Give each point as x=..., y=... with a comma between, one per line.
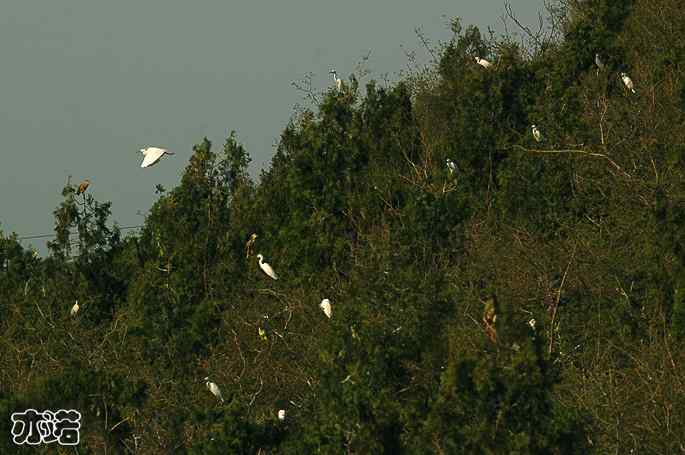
x=325, y=306
x=336, y=80
x=598, y=61
x=531, y=323
x=536, y=133
x=214, y=389
x=266, y=268
x=482, y=62
x=281, y=415
x=152, y=155
x=74, y=309
x=450, y=166
x=628, y=82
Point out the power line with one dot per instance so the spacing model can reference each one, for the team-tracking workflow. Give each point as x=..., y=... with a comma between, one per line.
x=44, y=236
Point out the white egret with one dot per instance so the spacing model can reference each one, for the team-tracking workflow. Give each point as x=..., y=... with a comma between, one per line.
x=450, y=166
x=152, y=155
x=83, y=187
x=74, y=309
x=338, y=82
x=266, y=268
x=325, y=306
x=281, y=415
x=536, y=133
x=628, y=82
x=214, y=389
x=600, y=64
x=531, y=323
x=482, y=62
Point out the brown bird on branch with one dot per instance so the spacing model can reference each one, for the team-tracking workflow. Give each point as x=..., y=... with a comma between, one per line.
x=490, y=318
x=248, y=245
x=83, y=187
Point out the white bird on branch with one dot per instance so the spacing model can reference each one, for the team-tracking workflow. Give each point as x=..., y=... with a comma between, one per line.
x=74, y=309
x=628, y=82
x=266, y=268
x=600, y=64
x=482, y=62
x=336, y=80
x=214, y=389
x=451, y=167
x=325, y=306
x=536, y=133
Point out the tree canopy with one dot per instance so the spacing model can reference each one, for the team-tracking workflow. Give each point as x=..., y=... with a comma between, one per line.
x=531, y=300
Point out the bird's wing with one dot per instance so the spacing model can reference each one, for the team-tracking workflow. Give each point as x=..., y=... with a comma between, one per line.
x=152, y=156
x=269, y=271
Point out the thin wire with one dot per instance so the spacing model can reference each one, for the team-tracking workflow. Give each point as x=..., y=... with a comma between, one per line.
x=44, y=236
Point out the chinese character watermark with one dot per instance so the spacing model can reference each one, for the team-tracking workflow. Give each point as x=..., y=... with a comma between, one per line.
x=33, y=427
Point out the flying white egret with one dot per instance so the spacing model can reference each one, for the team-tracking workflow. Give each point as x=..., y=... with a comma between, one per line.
x=628, y=82
x=338, y=82
x=536, y=133
x=214, y=389
x=281, y=415
x=450, y=166
x=325, y=306
x=482, y=62
x=266, y=268
x=83, y=187
x=74, y=309
x=153, y=155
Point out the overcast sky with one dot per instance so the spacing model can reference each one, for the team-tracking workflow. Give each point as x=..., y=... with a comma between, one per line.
x=86, y=83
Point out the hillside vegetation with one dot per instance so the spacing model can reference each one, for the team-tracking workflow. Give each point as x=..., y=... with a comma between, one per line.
x=529, y=301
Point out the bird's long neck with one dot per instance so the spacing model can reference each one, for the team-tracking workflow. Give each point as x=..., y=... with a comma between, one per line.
x=335, y=76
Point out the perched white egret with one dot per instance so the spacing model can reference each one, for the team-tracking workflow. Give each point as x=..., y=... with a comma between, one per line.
x=281, y=415
x=338, y=82
x=214, y=389
x=451, y=166
x=600, y=64
x=74, y=309
x=83, y=187
x=325, y=306
x=628, y=82
x=266, y=268
x=531, y=323
x=152, y=155
x=536, y=133
x=482, y=62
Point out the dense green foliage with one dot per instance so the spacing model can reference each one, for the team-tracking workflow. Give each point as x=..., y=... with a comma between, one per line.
x=531, y=302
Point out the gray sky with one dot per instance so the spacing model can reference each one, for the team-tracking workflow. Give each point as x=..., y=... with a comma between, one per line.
x=86, y=83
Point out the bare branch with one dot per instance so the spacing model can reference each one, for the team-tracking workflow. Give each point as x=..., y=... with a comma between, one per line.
x=579, y=152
